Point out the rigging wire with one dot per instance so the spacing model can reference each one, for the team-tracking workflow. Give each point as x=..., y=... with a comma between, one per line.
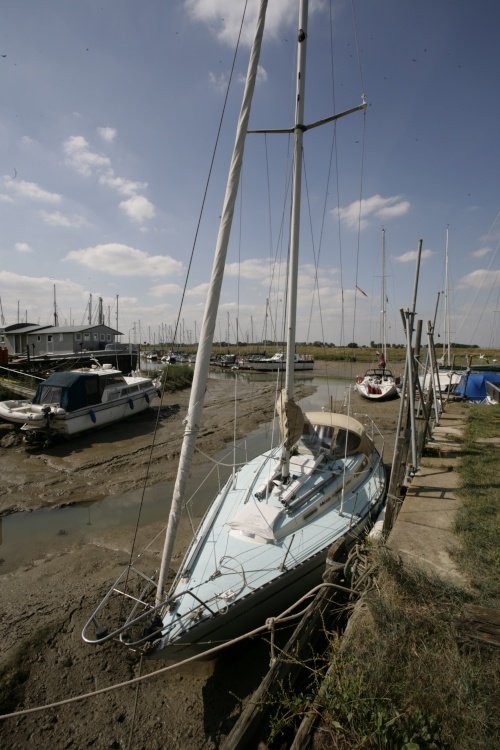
x=358, y=240
x=358, y=243
x=190, y=262
x=356, y=42
x=487, y=279
x=334, y=151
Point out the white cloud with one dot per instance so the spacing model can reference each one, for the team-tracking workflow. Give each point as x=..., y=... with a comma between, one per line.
x=165, y=290
x=58, y=219
x=107, y=134
x=261, y=76
x=80, y=157
x=123, y=260
x=138, y=208
x=34, y=293
x=224, y=17
x=201, y=290
x=481, y=252
x=218, y=81
x=257, y=269
x=26, y=140
x=30, y=190
x=6, y=198
x=121, y=184
x=479, y=278
x=23, y=247
x=375, y=207
x=413, y=255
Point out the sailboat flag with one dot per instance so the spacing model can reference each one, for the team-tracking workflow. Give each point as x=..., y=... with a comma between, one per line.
x=360, y=290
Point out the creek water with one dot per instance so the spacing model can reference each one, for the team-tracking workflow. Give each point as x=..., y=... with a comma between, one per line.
x=25, y=537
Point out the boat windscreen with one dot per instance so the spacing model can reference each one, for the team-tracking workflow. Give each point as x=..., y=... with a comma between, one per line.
x=49, y=394
x=328, y=438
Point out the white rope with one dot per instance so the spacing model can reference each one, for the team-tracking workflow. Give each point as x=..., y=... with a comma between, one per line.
x=284, y=617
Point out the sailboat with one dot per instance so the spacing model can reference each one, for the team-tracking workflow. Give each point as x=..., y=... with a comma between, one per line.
x=447, y=376
x=264, y=540
x=379, y=383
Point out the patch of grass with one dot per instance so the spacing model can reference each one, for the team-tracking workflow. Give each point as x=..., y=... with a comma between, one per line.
x=404, y=679
x=478, y=520
x=176, y=377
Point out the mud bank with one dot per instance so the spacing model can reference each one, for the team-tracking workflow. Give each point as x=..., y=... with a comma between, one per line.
x=45, y=602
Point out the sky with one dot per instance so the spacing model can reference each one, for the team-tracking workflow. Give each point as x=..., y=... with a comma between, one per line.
x=109, y=116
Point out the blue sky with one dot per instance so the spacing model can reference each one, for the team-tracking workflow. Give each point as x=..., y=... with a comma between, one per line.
x=108, y=117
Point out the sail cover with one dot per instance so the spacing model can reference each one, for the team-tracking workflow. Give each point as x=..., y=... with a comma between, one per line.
x=291, y=419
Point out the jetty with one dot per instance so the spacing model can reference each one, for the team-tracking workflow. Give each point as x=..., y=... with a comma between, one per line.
x=421, y=536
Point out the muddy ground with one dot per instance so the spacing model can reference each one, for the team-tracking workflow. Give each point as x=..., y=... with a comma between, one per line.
x=45, y=602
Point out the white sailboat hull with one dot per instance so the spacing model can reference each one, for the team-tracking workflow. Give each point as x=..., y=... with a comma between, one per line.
x=445, y=380
x=252, y=611
x=273, y=366
x=237, y=572
x=378, y=385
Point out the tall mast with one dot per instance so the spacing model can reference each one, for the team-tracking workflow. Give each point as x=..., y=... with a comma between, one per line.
x=293, y=266
x=384, y=306
x=198, y=387
x=296, y=191
x=56, y=317
x=446, y=344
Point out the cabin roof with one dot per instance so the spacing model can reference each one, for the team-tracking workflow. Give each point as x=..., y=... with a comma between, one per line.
x=79, y=329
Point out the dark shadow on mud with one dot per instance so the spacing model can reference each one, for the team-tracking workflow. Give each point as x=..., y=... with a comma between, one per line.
x=126, y=429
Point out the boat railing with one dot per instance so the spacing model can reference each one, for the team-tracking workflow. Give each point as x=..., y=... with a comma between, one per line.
x=372, y=430
x=144, y=612
x=19, y=382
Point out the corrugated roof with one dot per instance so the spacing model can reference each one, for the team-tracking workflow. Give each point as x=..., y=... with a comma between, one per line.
x=79, y=329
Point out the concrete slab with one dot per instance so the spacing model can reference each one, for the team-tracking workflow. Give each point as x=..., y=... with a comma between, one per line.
x=423, y=531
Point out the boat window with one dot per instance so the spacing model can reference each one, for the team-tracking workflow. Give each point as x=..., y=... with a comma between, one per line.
x=325, y=435
x=315, y=437
x=49, y=394
x=92, y=394
x=339, y=446
x=113, y=379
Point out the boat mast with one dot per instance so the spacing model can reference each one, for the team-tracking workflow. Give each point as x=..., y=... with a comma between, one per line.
x=56, y=317
x=446, y=344
x=298, y=130
x=198, y=388
x=384, y=305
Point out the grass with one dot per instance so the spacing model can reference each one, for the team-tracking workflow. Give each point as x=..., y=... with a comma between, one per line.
x=406, y=676
x=175, y=377
x=395, y=355
x=478, y=520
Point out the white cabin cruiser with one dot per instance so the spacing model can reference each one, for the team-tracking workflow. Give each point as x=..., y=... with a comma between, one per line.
x=70, y=402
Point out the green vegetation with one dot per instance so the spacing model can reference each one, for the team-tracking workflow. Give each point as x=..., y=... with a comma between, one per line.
x=478, y=520
x=175, y=377
x=408, y=676
x=463, y=355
